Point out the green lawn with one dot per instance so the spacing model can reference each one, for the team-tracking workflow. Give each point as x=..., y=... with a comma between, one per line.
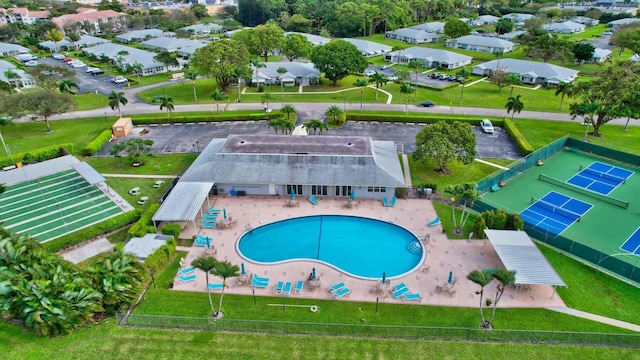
x=460, y=173
x=444, y=211
x=90, y=101
x=169, y=164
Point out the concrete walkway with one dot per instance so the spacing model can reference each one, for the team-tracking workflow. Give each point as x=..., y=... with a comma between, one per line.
x=594, y=317
x=140, y=176
x=491, y=164
x=88, y=250
x=407, y=172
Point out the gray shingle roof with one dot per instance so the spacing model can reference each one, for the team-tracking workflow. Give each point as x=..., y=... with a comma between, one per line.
x=169, y=43
x=563, y=26
x=85, y=40
x=484, y=41
x=441, y=56
x=369, y=47
x=135, y=55
x=415, y=33
x=202, y=28
x=294, y=70
x=138, y=34
x=533, y=68
x=486, y=19
x=517, y=17
x=622, y=22
x=304, y=160
x=314, y=39
x=6, y=47
x=434, y=26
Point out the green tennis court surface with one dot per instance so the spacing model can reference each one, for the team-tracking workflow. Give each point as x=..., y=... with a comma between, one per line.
x=613, y=219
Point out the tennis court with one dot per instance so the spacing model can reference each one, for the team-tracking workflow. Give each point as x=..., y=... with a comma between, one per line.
x=601, y=178
x=555, y=212
x=632, y=244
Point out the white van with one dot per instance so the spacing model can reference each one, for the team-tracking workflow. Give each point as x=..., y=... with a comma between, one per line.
x=26, y=57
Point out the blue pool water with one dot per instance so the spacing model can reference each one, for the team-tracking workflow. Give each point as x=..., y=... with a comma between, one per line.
x=361, y=247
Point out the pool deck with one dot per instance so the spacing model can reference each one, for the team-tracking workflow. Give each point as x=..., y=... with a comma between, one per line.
x=443, y=255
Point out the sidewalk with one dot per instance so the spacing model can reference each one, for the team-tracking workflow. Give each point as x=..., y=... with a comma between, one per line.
x=594, y=317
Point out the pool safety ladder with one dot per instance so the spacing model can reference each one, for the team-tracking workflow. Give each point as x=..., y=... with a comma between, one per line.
x=415, y=247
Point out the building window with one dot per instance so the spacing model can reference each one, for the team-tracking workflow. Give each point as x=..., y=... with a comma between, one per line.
x=376, y=189
x=297, y=189
x=320, y=190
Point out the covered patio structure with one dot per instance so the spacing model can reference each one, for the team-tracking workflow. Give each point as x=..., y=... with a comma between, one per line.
x=184, y=203
x=518, y=252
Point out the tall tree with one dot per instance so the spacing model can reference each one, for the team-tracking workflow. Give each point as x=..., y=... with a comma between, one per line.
x=513, y=80
x=257, y=64
x=137, y=67
x=335, y=113
x=265, y=98
x=282, y=70
x=67, y=86
x=55, y=36
x=261, y=40
x=463, y=73
x=464, y=193
x=135, y=148
x=288, y=110
x=505, y=278
x=337, y=59
x=218, y=96
x=166, y=102
x=407, y=90
x=192, y=75
x=361, y=83
x=296, y=46
x=514, y=105
x=167, y=59
x=444, y=142
x=504, y=26
x=564, y=89
x=74, y=37
x=46, y=103
x=416, y=65
x=116, y=99
x=224, y=270
x=206, y=264
x=379, y=80
x=239, y=73
x=456, y=28
x=220, y=59
x=482, y=278
x=11, y=75
x=583, y=52
x=499, y=78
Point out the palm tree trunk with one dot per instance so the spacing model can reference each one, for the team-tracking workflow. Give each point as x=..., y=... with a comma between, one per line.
x=239, y=92
x=511, y=92
x=195, y=95
x=224, y=285
x=281, y=92
x=481, y=312
x=406, y=105
x=495, y=304
x=361, y=99
x=561, y=100
x=627, y=123
x=461, y=94
x=415, y=93
x=46, y=122
x=377, y=88
x=209, y=294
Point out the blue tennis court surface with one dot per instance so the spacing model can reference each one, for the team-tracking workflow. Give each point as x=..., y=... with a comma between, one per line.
x=601, y=178
x=555, y=212
x=632, y=244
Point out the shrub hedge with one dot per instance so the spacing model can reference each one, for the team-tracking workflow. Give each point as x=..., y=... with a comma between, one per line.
x=498, y=220
x=515, y=134
x=144, y=225
x=417, y=119
x=155, y=119
x=160, y=258
x=97, y=143
x=93, y=231
x=41, y=154
x=171, y=229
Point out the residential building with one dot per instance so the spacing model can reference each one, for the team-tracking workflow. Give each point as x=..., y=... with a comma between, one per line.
x=511, y=36
x=139, y=36
x=566, y=27
x=125, y=56
x=585, y=20
x=413, y=36
x=297, y=73
x=313, y=39
x=23, y=15
x=168, y=44
x=434, y=27
x=369, y=48
x=431, y=58
x=7, y=49
x=485, y=20
x=518, y=19
x=188, y=51
x=203, y=29
x=23, y=80
x=481, y=44
x=617, y=23
x=600, y=55
x=68, y=45
x=92, y=20
x=529, y=72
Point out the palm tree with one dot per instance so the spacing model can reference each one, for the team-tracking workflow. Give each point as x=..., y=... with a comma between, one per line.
x=281, y=70
x=193, y=75
x=506, y=278
x=482, y=278
x=257, y=63
x=513, y=79
x=118, y=276
x=417, y=64
x=288, y=109
x=266, y=97
x=224, y=270
x=11, y=75
x=67, y=86
x=335, y=113
x=379, y=80
x=54, y=35
x=137, y=67
x=564, y=89
x=514, y=104
x=315, y=125
x=282, y=124
x=218, y=96
x=116, y=99
x=498, y=54
x=239, y=73
x=463, y=73
x=406, y=89
x=166, y=102
x=361, y=83
x=206, y=264
x=74, y=37
x=121, y=55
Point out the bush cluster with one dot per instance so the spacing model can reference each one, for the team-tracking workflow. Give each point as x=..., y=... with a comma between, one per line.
x=498, y=220
x=171, y=229
x=154, y=119
x=93, y=231
x=97, y=143
x=160, y=258
x=425, y=185
x=144, y=225
x=515, y=134
x=417, y=119
x=41, y=154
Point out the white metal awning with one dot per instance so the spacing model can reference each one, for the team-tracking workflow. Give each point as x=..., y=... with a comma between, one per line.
x=184, y=202
x=88, y=173
x=518, y=252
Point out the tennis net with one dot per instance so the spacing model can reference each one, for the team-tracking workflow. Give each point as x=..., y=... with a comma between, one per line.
x=613, y=201
x=556, y=210
x=603, y=175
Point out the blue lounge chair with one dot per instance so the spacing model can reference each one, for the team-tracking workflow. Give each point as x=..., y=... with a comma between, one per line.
x=313, y=200
x=259, y=283
x=186, y=271
x=385, y=202
x=279, y=287
x=214, y=211
x=201, y=237
x=299, y=286
x=398, y=293
x=495, y=187
x=398, y=287
x=342, y=293
x=258, y=278
x=215, y=286
x=336, y=287
x=434, y=222
x=394, y=201
x=287, y=288
x=187, y=278
x=411, y=297
x=210, y=216
x=207, y=225
x=202, y=242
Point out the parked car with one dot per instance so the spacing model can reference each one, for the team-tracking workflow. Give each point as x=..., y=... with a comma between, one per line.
x=435, y=75
x=119, y=80
x=96, y=71
x=58, y=56
x=427, y=103
x=486, y=126
x=369, y=73
x=67, y=60
x=385, y=67
x=443, y=76
x=451, y=78
x=31, y=63
x=77, y=64
x=392, y=78
x=26, y=57
x=460, y=79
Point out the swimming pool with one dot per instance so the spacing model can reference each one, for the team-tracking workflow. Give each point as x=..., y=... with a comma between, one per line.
x=360, y=247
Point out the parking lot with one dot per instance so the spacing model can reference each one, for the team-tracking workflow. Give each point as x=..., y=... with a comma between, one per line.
x=423, y=78
x=86, y=82
x=192, y=138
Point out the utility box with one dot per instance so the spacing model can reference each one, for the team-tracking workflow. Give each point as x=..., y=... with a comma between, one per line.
x=122, y=127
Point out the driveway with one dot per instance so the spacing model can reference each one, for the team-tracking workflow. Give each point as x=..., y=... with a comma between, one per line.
x=423, y=79
x=192, y=138
x=86, y=82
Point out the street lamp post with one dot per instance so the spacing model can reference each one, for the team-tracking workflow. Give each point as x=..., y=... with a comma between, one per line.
x=253, y=290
